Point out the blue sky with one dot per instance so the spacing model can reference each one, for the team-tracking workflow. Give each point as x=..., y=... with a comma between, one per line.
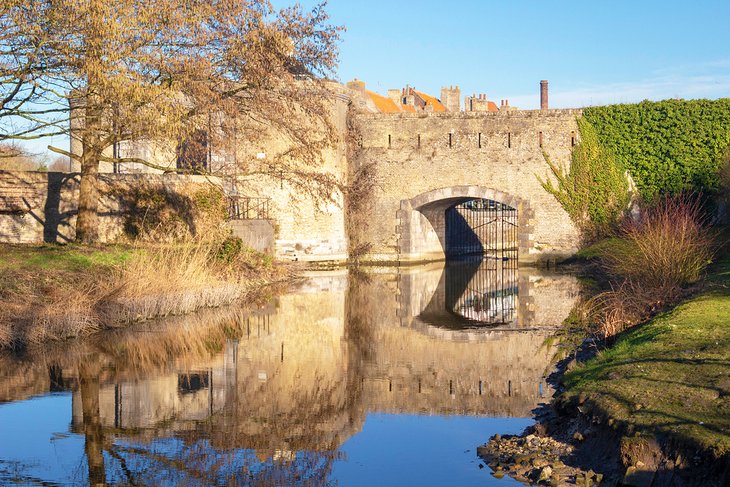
x=592, y=52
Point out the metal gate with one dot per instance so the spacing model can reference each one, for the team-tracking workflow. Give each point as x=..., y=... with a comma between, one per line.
x=482, y=227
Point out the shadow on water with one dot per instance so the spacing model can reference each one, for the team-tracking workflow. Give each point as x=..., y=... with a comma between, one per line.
x=273, y=395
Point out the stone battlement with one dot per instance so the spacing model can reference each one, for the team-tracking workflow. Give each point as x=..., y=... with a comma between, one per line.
x=553, y=112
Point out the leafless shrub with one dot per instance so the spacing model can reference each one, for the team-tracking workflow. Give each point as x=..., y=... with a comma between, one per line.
x=670, y=245
x=666, y=250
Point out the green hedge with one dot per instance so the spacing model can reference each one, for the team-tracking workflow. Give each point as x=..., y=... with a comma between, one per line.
x=668, y=146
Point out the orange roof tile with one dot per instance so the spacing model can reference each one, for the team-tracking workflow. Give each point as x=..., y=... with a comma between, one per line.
x=492, y=107
x=383, y=103
x=430, y=100
x=408, y=108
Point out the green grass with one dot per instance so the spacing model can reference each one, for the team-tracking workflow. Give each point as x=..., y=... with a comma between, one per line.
x=71, y=258
x=600, y=248
x=670, y=376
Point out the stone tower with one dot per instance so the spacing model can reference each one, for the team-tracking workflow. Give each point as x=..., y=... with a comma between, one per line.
x=451, y=98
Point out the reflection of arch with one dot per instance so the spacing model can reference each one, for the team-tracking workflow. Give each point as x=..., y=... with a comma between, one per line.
x=504, y=295
x=422, y=223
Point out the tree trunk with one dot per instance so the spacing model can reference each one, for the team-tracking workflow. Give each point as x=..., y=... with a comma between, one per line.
x=87, y=223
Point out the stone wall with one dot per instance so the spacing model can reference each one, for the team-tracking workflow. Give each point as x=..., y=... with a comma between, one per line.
x=255, y=234
x=307, y=228
x=419, y=164
x=424, y=163
x=38, y=207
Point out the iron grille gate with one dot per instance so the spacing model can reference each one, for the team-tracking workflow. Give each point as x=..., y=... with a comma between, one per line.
x=482, y=226
x=487, y=230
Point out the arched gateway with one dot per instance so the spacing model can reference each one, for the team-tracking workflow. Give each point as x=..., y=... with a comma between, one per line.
x=460, y=220
x=431, y=170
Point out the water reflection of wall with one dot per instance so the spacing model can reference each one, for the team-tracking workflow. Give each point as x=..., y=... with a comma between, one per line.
x=302, y=372
x=445, y=295
x=291, y=383
x=414, y=365
x=281, y=385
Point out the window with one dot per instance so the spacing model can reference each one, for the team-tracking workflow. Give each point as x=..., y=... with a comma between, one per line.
x=193, y=153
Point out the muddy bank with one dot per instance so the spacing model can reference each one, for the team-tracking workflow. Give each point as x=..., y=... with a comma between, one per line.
x=571, y=446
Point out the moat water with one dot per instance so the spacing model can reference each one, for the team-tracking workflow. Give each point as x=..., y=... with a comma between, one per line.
x=377, y=377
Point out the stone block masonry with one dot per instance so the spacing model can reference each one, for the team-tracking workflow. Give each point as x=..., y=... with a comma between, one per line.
x=425, y=163
x=38, y=207
x=413, y=166
x=255, y=234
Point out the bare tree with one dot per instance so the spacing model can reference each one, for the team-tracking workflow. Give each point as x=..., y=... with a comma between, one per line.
x=110, y=71
x=15, y=158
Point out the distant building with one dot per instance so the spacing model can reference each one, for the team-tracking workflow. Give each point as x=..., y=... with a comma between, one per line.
x=411, y=100
x=479, y=103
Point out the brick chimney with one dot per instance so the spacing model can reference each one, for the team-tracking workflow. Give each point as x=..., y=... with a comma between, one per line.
x=543, y=95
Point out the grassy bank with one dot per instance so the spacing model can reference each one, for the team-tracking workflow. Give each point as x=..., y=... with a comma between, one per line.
x=669, y=377
x=53, y=292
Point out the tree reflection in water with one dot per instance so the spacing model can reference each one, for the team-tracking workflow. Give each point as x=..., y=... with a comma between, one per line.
x=268, y=397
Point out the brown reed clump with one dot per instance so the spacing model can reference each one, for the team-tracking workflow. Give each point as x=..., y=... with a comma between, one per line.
x=56, y=304
x=41, y=308
x=62, y=317
x=6, y=332
x=665, y=251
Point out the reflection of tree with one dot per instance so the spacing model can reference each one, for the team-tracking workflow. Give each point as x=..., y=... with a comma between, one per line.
x=210, y=453
x=284, y=431
x=93, y=432
x=175, y=462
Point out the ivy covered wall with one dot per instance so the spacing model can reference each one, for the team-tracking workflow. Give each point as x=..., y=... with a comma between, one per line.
x=668, y=146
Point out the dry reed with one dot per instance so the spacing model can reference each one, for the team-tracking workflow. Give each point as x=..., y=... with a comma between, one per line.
x=169, y=280
x=156, y=282
x=666, y=250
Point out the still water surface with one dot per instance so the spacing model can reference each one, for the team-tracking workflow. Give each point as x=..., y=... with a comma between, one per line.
x=369, y=378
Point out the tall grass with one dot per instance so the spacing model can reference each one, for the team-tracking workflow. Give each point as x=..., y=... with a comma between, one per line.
x=154, y=281
x=169, y=280
x=662, y=253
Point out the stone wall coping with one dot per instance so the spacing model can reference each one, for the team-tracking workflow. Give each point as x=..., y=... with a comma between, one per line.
x=552, y=113
x=188, y=178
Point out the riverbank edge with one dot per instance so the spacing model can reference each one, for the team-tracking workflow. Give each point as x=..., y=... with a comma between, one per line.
x=577, y=442
x=82, y=322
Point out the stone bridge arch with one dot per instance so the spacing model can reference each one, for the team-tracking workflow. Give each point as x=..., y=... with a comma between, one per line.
x=421, y=230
